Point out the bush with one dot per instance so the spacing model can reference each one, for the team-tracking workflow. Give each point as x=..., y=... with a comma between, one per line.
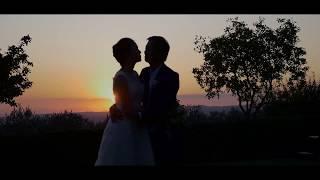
x=297, y=105
x=24, y=122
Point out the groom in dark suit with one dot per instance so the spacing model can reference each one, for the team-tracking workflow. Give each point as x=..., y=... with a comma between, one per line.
x=161, y=85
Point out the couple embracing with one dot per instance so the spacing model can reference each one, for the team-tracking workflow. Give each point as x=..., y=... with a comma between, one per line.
x=138, y=132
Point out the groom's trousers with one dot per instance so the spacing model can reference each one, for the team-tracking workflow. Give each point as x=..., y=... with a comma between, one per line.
x=161, y=145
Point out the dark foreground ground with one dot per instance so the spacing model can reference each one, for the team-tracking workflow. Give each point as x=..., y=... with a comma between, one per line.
x=197, y=146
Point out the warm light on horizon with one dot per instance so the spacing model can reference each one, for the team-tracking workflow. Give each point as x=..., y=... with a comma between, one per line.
x=57, y=105
x=104, y=91
x=72, y=54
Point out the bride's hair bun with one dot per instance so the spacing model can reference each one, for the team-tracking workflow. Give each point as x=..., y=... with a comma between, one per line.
x=122, y=49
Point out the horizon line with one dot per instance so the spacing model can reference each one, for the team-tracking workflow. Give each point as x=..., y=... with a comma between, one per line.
x=98, y=98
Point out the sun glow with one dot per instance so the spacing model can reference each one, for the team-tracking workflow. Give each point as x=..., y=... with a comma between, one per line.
x=104, y=90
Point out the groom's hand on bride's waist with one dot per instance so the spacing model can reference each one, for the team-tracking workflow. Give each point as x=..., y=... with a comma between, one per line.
x=115, y=113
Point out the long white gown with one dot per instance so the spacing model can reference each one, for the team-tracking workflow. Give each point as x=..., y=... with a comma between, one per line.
x=124, y=142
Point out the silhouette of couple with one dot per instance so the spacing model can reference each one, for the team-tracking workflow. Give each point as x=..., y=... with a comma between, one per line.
x=137, y=132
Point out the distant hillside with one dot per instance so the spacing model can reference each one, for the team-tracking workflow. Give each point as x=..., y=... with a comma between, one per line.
x=101, y=116
x=208, y=109
x=94, y=116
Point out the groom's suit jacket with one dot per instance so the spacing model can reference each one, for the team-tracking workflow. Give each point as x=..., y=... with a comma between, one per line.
x=162, y=97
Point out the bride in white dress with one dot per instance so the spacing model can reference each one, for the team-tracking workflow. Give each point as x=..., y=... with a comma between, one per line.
x=126, y=141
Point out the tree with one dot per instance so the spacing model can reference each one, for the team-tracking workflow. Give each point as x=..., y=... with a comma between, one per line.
x=250, y=62
x=14, y=70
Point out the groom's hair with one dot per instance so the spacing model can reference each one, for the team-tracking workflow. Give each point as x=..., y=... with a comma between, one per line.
x=122, y=49
x=160, y=46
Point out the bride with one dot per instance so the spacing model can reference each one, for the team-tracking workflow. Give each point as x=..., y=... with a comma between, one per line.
x=126, y=141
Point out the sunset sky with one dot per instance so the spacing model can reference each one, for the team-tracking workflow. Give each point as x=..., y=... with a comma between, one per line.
x=74, y=66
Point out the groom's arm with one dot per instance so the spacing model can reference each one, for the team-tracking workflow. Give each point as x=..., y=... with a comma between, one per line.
x=172, y=88
x=170, y=91
x=176, y=85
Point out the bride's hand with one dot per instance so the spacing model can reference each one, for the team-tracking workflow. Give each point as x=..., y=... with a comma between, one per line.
x=115, y=113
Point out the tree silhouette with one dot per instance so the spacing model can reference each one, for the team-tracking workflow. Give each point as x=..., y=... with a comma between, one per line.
x=14, y=70
x=250, y=62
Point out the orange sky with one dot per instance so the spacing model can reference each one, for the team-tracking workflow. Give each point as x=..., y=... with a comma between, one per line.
x=73, y=62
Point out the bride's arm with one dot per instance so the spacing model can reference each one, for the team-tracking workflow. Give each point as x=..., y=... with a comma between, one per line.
x=120, y=90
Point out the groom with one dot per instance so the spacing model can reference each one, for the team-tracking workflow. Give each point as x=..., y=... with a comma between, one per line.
x=161, y=85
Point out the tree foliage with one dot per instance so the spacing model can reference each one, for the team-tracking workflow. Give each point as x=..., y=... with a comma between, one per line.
x=14, y=70
x=250, y=62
